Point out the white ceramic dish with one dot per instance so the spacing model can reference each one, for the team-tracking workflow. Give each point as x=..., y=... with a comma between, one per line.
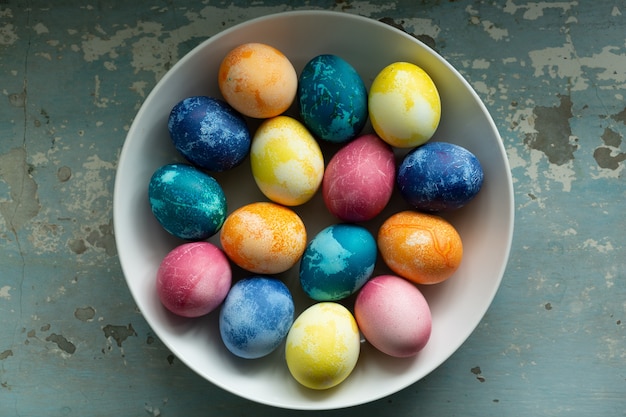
x=485, y=225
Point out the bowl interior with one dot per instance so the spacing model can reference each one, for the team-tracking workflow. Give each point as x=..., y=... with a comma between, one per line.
x=485, y=225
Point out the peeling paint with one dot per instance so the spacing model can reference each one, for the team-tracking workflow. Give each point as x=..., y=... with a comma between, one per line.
x=559, y=62
x=4, y=292
x=85, y=313
x=118, y=333
x=77, y=246
x=554, y=134
x=64, y=173
x=62, y=343
x=602, y=248
x=40, y=28
x=609, y=66
x=101, y=237
x=535, y=10
x=496, y=33
x=56, y=295
x=91, y=184
x=8, y=36
x=613, y=348
x=478, y=372
x=609, y=279
x=44, y=236
x=609, y=158
x=620, y=116
x=139, y=87
x=24, y=203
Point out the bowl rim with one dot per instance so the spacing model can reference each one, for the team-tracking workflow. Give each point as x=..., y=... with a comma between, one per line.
x=509, y=215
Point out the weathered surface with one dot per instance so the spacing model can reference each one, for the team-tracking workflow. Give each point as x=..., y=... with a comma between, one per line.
x=72, y=75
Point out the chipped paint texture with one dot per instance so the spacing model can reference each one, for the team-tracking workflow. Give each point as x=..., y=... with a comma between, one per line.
x=74, y=73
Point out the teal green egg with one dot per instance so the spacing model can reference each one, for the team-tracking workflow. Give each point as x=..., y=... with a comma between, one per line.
x=337, y=262
x=332, y=99
x=187, y=202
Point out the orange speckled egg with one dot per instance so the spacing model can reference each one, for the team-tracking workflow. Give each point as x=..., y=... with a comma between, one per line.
x=264, y=237
x=257, y=80
x=423, y=248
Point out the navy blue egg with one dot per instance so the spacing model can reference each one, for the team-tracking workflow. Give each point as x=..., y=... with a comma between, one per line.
x=337, y=262
x=332, y=98
x=256, y=316
x=209, y=133
x=439, y=176
x=187, y=202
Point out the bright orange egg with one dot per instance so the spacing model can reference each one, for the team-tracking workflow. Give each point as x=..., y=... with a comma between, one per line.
x=423, y=248
x=264, y=237
x=257, y=80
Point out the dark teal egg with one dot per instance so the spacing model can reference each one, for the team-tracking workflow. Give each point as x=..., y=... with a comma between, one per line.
x=332, y=99
x=187, y=202
x=337, y=262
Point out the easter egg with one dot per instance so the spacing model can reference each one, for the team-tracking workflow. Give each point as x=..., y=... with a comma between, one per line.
x=337, y=262
x=404, y=105
x=264, y=237
x=258, y=80
x=359, y=179
x=439, y=176
x=187, y=202
x=287, y=162
x=393, y=316
x=193, y=279
x=256, y=316
x=322, y=346
x=423, y=248
x=209, y=133
x=332, y=98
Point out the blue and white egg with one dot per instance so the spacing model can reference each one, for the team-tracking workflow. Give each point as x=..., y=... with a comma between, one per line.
x=337, y=262
x=187, y=202
x=209, y=133
x=256, y=316
x=439, y=176
x=332, y=99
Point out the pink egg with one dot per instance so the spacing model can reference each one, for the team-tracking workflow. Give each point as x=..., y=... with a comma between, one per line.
x=193, y=279
x=359, y=179
x=393, y=316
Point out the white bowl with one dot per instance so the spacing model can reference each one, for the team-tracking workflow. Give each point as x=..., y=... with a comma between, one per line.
x=485, y=225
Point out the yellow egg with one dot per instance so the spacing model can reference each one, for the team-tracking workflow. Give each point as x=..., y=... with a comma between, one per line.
x=404, y=105
x=322, y=346
x=287, y=162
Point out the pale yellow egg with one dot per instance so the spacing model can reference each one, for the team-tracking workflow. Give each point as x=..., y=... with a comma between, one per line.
x=323, y=346
x=287, y=162
x=404, y=105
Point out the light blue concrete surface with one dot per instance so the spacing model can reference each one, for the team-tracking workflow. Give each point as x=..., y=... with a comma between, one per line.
x=73, y=74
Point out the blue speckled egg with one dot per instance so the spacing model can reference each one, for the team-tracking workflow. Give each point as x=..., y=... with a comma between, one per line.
x=332, y=98
x=209, y=133
x=337, y=262
x=439, y=176
x=256, y=316
x=187, y=202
